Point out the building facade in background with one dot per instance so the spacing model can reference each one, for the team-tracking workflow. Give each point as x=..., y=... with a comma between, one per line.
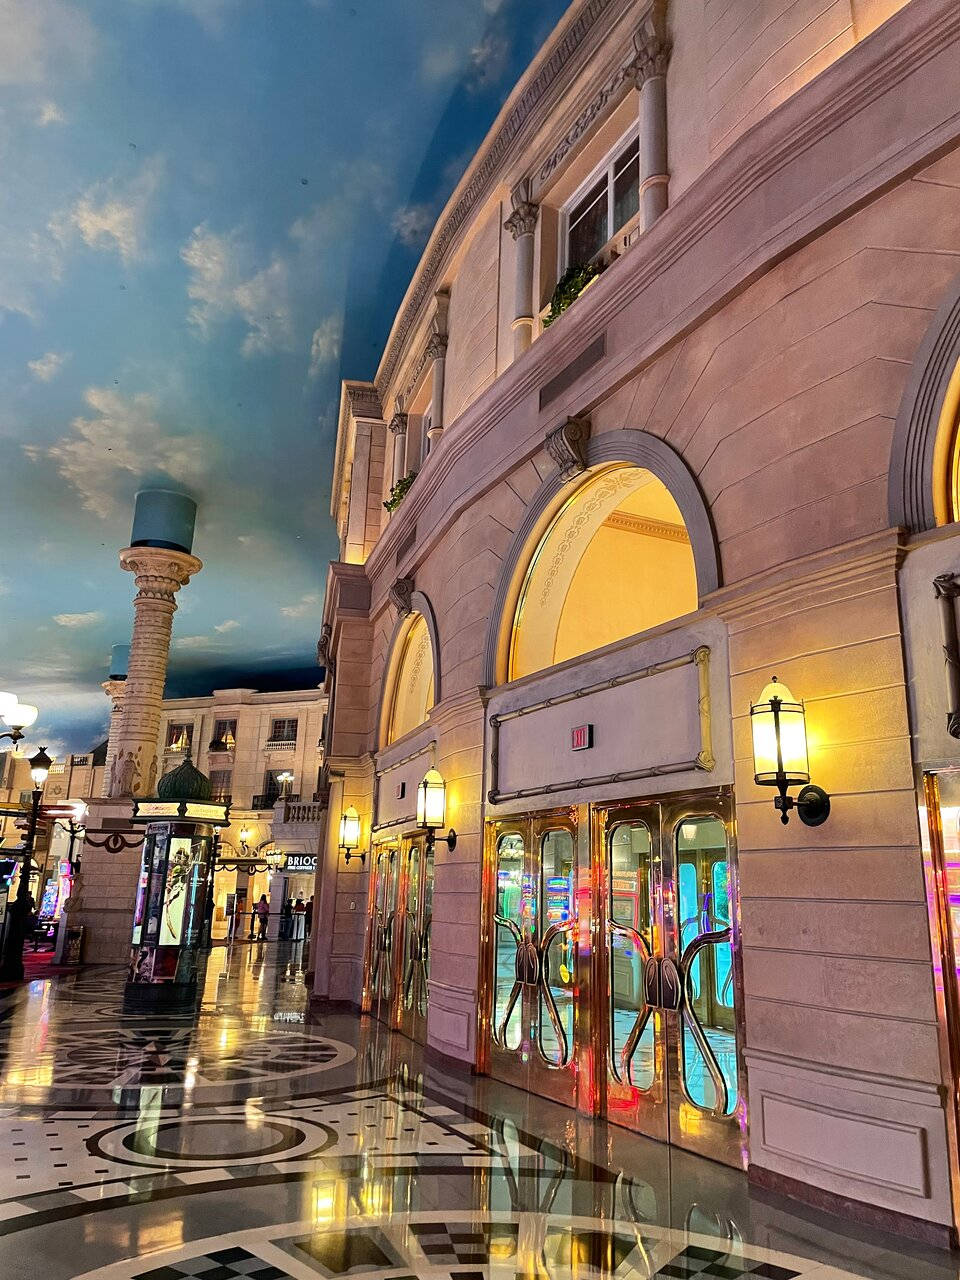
x=670, y=408
x=264, y=751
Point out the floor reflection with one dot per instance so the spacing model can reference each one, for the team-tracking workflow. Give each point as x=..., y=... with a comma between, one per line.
x=254, y=1140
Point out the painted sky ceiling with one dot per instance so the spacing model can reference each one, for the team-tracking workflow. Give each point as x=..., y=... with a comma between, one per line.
x=209, y=212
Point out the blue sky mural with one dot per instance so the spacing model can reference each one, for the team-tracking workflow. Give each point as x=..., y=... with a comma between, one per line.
x=209, y=213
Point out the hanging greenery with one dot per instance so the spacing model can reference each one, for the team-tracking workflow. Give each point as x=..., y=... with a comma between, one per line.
x=569, y=287
x=399, y=491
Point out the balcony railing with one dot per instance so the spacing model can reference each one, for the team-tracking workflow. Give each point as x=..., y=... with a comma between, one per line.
x=294, y=812
x=268, y=799
x=280, y=744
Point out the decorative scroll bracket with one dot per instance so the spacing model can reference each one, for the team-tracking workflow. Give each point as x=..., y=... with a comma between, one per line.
x=401, y=596
x=567, y=446
x=946, y=588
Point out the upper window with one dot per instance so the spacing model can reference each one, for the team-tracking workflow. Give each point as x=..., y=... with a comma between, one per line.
x=604, y=205
x=225, y=731
x=179, y=737
x=220, y=783
x=284, y=730
x=615, y=560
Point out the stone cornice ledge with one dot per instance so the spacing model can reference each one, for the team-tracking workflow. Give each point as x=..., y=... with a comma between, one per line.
x=777, y=147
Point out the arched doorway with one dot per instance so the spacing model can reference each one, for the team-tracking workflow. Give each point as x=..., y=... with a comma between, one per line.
x=616, y=559
x=611, y=946
x=397, y=965
x=410, y=686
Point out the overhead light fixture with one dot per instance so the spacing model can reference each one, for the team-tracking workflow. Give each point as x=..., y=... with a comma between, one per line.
x=779, y=725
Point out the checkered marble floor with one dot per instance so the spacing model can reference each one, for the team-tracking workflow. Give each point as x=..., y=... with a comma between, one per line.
x=495, y=1246
x=250, y=1141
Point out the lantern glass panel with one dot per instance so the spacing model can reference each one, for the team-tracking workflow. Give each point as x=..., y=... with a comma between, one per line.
x=431, y=800
x=777, y=716
x=349, y=829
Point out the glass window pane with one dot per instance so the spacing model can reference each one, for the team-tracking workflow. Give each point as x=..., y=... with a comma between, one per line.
x=175, y=891
x=412, y=928
x=631, y=909
x=511, y=909
x=557, y=853
x=709, y=1045
x=626, y=194
x=588, y=226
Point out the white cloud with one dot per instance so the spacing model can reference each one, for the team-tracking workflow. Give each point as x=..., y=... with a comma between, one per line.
x=41, y=38
x=413, y=223
x=49, y=113
x=440, y=62
x=193, y=642
x=78, y=619
x=488, y=60
x=46, y=367
x=325, y=344
x=307, y=604
x=4, y=587
x=107, y=454
x=229, y=624
x=223, y=286
x=112, y=215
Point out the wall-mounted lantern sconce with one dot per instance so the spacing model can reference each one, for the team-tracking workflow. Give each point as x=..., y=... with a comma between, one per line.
x=245, y=834
x=779, y=729
x=350, y=835
x=432, y=808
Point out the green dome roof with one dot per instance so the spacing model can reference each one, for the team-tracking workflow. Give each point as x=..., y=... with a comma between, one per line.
x=186, y=782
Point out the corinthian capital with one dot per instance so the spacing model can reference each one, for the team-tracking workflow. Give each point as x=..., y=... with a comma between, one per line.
x=159, y=572
x=523, y=220
x=398, y=424
x=653, y=51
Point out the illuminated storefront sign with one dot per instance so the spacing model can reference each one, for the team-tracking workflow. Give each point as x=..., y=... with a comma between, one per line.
x=301, y=862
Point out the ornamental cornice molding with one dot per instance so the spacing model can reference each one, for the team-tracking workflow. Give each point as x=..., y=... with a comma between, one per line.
x=363, y=400
x=895, y=55
x=551, y=77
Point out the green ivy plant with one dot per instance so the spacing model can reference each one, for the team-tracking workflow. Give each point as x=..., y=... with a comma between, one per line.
x=569, y=287
x=399, y=491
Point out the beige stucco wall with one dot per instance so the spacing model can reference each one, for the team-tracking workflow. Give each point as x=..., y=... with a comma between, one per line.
x=765, y=329
x=474, y=319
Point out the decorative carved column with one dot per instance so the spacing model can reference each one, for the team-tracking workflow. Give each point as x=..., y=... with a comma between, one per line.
x=115, y=690
x=521, y=224
x=437, y=352
x=159, y=575
x=649, y=72
x=398, y=429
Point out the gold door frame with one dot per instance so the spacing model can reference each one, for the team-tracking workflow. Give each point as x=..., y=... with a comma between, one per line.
x=527, y=1067
x=380, y=948
x=681, y=1120
x=412, y=940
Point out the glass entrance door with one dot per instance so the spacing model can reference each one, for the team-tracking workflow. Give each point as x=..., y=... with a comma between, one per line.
x=413, y=937
x=667, y=877
x=531, y=944
x=381, y=980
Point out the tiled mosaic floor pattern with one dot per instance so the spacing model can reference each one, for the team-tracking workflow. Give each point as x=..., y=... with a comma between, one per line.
x=252, y=1142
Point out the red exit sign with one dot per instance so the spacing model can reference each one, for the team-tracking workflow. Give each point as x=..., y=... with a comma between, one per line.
x=581, y=737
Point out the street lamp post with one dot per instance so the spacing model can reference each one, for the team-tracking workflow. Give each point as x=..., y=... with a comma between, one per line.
x=11, y=963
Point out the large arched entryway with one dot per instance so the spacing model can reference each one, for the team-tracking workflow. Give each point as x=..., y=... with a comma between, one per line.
x=615, y=560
